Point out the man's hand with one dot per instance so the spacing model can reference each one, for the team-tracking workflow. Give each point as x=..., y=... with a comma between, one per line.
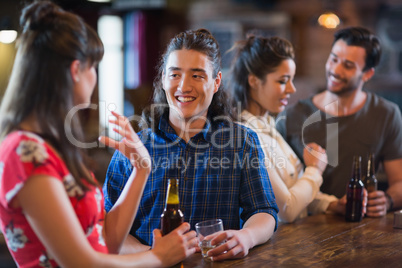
x=233, y=244
x=377, y=204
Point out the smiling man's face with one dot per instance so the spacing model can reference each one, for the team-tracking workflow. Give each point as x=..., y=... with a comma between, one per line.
x=189, y=84
x=344, y=68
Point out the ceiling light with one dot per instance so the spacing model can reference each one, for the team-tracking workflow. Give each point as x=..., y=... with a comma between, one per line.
x=7, y=32
x=8, y=36
x=329, y=20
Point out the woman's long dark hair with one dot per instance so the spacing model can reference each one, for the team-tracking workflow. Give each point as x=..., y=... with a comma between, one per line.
x=200, y=40
x=258, y=56
x=41, y=83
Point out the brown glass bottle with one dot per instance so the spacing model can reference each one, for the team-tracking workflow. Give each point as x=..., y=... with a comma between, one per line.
x=172, y=216
x=371, y=181
x=354, y=193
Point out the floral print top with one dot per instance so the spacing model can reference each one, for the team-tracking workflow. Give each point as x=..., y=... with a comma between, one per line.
x=22, y=155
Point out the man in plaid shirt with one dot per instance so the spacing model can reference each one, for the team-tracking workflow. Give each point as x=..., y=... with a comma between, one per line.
x=191, y=136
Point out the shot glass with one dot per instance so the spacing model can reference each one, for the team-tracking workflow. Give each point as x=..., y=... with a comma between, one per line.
x=206, y=228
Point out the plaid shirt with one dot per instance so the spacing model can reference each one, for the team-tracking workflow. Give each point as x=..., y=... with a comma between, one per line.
x=220, y=170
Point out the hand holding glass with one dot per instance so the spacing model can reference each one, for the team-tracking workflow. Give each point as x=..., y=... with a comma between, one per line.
x=207, y=228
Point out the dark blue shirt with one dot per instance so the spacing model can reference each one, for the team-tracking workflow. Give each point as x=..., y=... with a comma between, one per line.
x=221, y=175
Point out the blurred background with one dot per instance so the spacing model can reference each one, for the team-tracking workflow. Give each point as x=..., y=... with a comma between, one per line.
x=135, y=33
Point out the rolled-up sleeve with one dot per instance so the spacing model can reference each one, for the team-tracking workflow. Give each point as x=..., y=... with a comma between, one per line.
x=256, y=193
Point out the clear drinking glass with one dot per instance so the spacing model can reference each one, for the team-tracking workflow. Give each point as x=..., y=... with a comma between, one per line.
x=206, y=228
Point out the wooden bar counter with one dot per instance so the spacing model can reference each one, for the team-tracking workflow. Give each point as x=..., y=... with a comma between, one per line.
x=315, y=241
x=323, y=241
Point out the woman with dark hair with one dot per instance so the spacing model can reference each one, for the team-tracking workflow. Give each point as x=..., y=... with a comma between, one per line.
x=193, y=138
x=51, y=207
x=261, y=80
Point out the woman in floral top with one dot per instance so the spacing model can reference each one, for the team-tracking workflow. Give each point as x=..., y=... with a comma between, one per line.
x=51, y=207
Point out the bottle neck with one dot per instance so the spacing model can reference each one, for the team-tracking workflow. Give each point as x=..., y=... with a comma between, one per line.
x=172, y=194
x=172, y=207
x=371, y=166
x=356, y=168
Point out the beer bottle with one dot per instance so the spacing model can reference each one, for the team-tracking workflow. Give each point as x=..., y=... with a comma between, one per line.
x=371, y=181
x=354, y=193
x=172, y=216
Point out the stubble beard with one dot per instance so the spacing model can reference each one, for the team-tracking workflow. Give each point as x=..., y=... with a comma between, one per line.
x=346, y=89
